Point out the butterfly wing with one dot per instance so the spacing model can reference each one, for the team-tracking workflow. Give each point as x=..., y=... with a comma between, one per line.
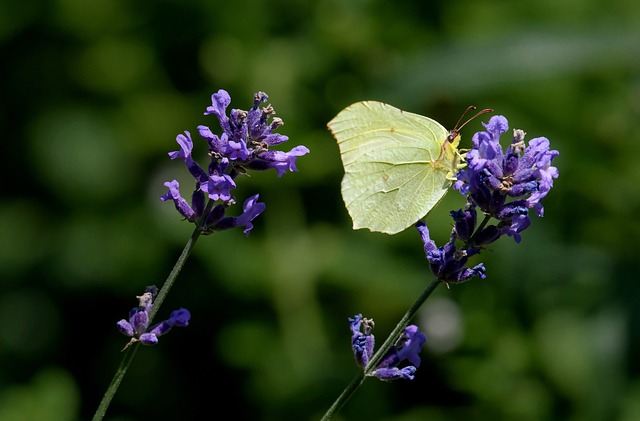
x=390, y=181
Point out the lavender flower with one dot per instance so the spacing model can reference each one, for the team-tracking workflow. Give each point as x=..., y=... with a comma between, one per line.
x=136, y=326
x=406, y=348
x=523, y=173
x=492, y=176
x=243, y=145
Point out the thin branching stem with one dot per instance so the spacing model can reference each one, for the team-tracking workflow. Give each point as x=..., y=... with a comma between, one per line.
x=130, y=351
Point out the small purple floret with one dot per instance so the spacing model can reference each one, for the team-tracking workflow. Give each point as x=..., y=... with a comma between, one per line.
x=181, y=205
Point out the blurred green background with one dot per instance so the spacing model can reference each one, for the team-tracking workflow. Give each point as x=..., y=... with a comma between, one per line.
x=93, y=95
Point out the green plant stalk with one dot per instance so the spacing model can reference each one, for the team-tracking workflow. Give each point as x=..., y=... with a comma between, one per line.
x=162, y=294
x=130, y=352
x=378, y=355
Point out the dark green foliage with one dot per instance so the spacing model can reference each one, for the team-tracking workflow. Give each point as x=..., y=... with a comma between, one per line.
x=93, y=95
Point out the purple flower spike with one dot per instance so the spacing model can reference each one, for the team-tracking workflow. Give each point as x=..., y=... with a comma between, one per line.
x=243, y=145
x=137, y=325
x=503, y=185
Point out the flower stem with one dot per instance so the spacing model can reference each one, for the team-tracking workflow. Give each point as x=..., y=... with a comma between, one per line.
x=131, y=350
x=378, y=355
x=344, y=396
x=168, y=283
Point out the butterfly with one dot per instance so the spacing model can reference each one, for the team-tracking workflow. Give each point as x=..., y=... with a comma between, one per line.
x=397, y=165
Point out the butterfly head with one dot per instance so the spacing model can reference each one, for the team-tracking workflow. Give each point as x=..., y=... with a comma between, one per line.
x=454, y=135
x=449, y=151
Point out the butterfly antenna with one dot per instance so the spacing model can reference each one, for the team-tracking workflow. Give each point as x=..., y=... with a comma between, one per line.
x=456, y=130
x=459, y=126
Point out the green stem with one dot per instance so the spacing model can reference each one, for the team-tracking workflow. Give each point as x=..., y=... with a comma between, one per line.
x=168, y=283
x=377, y=357
x=344, y=396
x=131, y=350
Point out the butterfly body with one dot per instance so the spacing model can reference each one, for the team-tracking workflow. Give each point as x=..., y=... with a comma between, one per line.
x=398, y=165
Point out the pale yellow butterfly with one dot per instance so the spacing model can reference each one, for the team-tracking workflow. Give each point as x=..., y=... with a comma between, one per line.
x=397, y=165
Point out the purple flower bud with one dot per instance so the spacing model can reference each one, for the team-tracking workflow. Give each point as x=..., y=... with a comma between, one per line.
x=465, y=222
x=258, y=98
x=198, y=202
x=148, y=339
x=139, y=321
x=395, y=373
x=180, y=317
x=362, y=342
x=486, y=236
x=125, y=327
